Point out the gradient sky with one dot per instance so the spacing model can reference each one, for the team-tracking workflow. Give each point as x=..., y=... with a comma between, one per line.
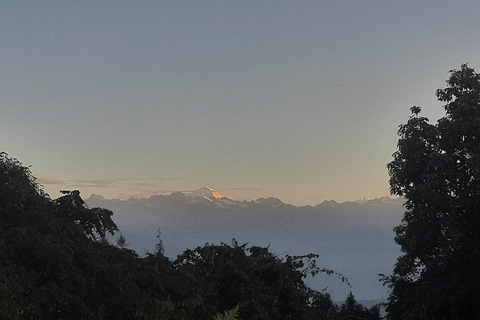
x=299, y=100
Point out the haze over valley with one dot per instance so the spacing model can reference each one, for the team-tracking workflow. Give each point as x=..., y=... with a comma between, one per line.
x=352, y=238
x=286, y=112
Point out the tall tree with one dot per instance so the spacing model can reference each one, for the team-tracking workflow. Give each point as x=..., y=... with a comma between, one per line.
x=437, y=169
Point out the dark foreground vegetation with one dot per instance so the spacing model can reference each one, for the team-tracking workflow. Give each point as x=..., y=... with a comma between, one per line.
x=437, y=170
x=55, y=263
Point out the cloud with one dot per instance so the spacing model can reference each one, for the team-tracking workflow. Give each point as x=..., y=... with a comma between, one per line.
x=121, y=188
x=49, y=180
x=144, y=194
x=243, y=194
x=126, y=188
x=99, y=183
x=244, y=189
x=116, y=182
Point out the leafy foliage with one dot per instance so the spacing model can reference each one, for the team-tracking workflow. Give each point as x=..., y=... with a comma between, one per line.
x=55, y=263
x=264, y=285
x=52, y=264
x=95, y=222
x=228, y=315
x=437, y=170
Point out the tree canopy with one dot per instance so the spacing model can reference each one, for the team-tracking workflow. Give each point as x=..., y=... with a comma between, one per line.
x=437, y=169
x=56, y=263
x=264, y=285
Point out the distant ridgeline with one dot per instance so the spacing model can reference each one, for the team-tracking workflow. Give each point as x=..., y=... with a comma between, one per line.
x=353, y=238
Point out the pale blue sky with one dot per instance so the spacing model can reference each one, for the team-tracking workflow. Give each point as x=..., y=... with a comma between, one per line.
x=300, y=100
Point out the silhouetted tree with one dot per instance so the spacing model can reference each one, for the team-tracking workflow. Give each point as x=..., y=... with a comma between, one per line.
x=53, y=262
x=437, y=170
x=262, y=284
x=95, y=222
x=121, y=241
x=159, y=248
x=351, y=310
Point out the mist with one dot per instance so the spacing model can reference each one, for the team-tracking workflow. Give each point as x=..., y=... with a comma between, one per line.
x=355, y=239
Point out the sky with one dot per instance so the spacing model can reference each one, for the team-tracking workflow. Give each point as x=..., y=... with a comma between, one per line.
x=299, y=100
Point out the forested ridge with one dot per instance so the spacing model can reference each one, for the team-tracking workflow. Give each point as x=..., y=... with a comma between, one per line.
x=56, y=263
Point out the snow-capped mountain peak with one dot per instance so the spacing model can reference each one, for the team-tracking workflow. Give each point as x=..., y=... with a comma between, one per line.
x=207, y=193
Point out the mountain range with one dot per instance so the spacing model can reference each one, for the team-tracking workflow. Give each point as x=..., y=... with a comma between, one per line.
x=355, y=239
